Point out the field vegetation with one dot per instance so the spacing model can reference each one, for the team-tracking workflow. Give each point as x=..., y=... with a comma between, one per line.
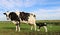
x=8, y=28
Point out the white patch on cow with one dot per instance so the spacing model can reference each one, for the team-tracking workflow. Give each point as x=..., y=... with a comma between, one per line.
x=7, y=15
x=31, y=19
x=14, y=22
x=17, y=13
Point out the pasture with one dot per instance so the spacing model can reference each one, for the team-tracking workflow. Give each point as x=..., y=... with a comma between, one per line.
x=8, y=28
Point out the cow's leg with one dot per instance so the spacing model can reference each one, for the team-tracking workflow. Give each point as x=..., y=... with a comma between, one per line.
x=15, y=24
x=18, y=26
x=45, y=28
x=31, y=27
x=35, y=26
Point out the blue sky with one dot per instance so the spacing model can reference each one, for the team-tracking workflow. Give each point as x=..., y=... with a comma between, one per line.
x=44, y=9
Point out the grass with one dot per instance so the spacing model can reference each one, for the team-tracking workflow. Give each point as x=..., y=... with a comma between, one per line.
x=8, y=28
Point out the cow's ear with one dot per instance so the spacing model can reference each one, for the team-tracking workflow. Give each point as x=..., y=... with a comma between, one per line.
x=4, y=13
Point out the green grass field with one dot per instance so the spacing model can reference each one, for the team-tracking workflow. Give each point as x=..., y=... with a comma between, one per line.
x=8, y=28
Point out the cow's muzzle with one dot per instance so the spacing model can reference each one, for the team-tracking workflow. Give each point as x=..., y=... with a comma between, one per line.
x=7, y=18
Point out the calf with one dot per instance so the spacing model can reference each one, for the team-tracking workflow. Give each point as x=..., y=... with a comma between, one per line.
x=42, y=25
x=18, y=17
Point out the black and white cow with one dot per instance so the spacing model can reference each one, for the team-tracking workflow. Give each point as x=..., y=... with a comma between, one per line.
x=42, y=25
x=17, y=17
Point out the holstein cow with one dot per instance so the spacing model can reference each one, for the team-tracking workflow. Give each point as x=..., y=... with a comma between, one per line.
x=17, y=17
x=42, y=25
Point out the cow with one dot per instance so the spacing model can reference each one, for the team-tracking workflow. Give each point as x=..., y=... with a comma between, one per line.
x=18, y=17
x=42, y=25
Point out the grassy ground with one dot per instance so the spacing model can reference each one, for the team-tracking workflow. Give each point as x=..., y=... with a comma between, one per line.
x=8, y=28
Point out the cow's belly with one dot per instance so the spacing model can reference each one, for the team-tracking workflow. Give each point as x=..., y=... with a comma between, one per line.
x=24, y=21
x=15, y=22
x=28, y=22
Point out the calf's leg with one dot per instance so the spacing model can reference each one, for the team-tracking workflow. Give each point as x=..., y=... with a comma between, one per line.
x=45, y=28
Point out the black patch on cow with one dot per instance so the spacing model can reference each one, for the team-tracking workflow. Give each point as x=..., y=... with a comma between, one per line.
x=14, y=16
x=34, y=15
x=24, y=16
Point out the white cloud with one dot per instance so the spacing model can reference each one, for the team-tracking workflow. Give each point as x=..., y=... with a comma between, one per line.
x=17, y=3
x=5, y=3
x=29, y=3
x=24, y=3
x=44, y=14
x=48, y=2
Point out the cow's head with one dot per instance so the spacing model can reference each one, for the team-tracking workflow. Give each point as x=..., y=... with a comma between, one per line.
x=7, y=15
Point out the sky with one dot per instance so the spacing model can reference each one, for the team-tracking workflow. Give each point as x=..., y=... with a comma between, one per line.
x=43, y=9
